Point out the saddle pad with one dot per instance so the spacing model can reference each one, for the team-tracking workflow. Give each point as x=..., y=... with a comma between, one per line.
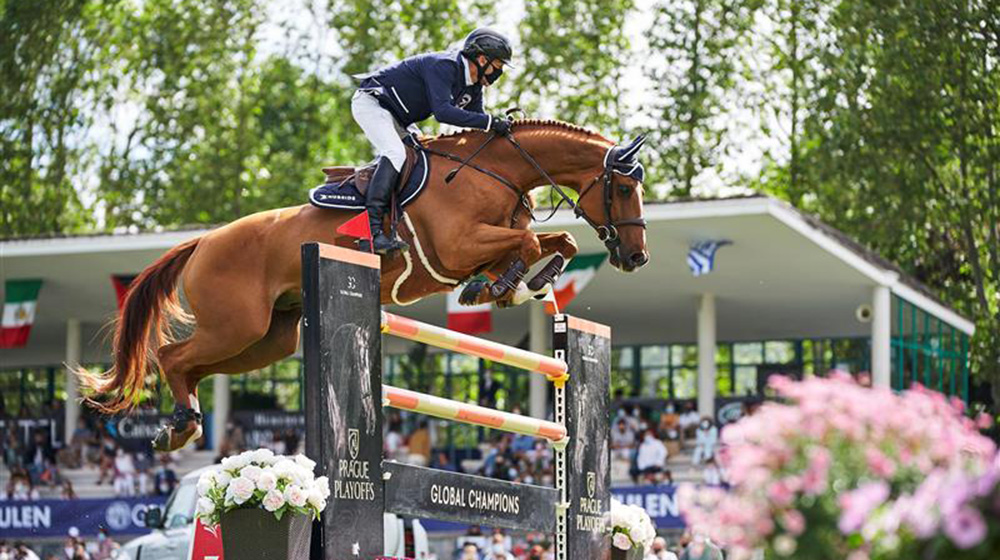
x=344, y=195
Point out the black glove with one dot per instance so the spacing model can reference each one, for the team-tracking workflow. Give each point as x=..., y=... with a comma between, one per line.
x=500, y=125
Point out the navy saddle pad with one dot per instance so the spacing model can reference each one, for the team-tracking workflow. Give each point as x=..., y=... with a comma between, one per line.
x=344, y=195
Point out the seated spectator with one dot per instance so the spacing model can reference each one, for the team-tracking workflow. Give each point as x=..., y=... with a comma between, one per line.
x=669, y=420
x=107, y=548
x=82, y=447
x=666, y=478
x=701, y=548
x=444, y=463
x=278, y=443
x=536, y=552
x=67, y=490
x=20, y=486
x=420, y=445
x=164, y=479
x=470, y=552
x=706, y=439
x=39, y=456
x=142, y=466
x=125, y=472
x=109, y=450
x=711, y=473
x=622, y=440
x=498, y=552
x=651, y=457
x=392, y=444
x=688, y=421
x=13, y=452
x=659, y=550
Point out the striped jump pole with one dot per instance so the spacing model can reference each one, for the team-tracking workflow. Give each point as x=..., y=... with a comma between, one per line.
x=553, y=368
x=447, y=409
x=342, y=328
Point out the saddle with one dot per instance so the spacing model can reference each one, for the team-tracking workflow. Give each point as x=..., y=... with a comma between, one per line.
x=361, y=176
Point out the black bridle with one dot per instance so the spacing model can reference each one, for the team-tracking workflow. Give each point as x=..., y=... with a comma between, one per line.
x=607, y=232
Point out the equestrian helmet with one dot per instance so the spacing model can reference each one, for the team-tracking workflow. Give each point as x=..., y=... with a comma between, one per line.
x=491, y=43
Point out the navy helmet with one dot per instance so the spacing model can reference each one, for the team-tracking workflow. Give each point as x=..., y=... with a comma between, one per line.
x=491, y=43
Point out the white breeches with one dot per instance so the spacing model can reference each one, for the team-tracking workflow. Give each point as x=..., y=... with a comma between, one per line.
x=380, y=128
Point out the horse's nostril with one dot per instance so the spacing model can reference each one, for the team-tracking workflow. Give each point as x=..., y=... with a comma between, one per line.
x=639, y=258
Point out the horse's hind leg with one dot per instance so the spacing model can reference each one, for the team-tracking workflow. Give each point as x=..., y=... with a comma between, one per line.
x=211, y=342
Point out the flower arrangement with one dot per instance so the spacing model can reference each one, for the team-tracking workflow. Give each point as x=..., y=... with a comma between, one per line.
x=261, y=479
x=837, y=470
x=631, y=527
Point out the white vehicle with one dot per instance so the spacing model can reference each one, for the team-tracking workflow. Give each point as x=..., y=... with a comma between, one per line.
x=173, y=528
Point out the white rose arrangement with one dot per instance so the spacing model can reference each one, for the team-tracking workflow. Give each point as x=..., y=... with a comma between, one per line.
x=261, y=479
x=631, y=527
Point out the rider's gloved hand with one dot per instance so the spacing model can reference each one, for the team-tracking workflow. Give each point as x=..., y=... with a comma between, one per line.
x=500, y=125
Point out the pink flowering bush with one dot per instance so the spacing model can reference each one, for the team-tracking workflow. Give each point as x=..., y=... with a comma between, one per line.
x=840, y=471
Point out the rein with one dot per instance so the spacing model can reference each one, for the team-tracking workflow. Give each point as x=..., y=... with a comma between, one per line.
x=608, y=233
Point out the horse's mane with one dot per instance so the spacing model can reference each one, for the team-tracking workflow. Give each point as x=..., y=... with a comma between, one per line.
x=518, y=124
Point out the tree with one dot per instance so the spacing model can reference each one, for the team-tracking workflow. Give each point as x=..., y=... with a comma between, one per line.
x=697, y=48
x=50, y=62
x=574, y=53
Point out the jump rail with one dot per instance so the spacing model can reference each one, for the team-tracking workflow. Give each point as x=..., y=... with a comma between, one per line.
x=342, y=327
x=432, y=335
x=472, y=414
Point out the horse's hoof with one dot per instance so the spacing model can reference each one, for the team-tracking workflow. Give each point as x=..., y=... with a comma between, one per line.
x=168, y=439
x=471, y=292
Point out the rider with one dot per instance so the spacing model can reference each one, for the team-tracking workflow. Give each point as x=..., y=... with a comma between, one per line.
x=448, y=85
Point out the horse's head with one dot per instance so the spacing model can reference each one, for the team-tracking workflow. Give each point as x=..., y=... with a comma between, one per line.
x=612, y=204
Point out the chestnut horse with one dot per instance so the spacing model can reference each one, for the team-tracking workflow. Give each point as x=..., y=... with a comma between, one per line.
x=242, y=281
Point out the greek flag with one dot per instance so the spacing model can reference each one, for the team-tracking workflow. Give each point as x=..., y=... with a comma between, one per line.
x=701, y=256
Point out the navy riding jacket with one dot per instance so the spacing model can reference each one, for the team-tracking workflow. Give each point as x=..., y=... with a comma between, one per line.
x=429, y=84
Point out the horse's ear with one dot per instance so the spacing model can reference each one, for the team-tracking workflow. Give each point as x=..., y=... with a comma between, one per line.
x=628, y=151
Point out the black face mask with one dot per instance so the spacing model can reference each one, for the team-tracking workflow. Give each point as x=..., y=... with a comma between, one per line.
x=482, y=68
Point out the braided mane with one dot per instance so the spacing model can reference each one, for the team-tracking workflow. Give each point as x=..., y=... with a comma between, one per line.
x=551, y=124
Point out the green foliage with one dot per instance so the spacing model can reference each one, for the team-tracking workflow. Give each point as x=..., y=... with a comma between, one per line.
x=574, y=56
x=696, y=47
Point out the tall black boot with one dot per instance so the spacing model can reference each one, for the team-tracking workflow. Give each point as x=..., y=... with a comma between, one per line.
x=376, y=200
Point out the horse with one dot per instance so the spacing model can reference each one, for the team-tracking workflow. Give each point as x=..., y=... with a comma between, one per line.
x=242, y=281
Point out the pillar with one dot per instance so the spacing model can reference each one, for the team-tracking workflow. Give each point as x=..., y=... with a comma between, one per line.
x=74, y=348
x=706, y=356
x=881, y=337
x=538, y=326
x=221, y=398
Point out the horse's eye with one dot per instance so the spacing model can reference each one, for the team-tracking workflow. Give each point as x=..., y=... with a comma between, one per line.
x=624, y=190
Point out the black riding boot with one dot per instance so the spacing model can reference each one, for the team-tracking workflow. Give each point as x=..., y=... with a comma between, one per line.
x=376, y=201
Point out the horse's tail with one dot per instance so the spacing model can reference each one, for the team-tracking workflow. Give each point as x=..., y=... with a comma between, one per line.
x=142, y=327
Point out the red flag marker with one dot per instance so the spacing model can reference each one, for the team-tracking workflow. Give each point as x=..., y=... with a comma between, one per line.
x=357, y=227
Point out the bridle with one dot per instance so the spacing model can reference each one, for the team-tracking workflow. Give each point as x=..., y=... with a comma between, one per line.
x=607, y=232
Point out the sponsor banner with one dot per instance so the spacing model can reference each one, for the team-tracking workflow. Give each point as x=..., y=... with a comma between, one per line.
x=53, y=518
x=259, y=427
x=207, y=542
x=660, y=502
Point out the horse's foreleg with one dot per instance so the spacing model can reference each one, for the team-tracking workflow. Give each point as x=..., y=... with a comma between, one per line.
x=563, y=246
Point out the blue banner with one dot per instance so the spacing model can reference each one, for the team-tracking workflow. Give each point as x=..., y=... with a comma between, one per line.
x=660, y=502
x=53, y=518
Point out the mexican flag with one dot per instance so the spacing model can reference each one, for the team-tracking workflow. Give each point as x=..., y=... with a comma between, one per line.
x=468, y=319
x=571, y=282
x=18, y=312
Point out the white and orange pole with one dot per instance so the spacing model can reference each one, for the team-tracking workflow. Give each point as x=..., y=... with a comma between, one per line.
x=553, y=368
x=447, y=409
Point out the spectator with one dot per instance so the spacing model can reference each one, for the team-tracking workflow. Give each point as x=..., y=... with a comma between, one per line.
x=22, y=552
x=83, y=446
x=470, y=552
x=393, y=442
x=651, y=457
x=106, y=546
x=536, y=552
x=488, y=388
x=39, y=456
x=659, y=550
x=712, y=474
x=420, y=445
x=277, y=443
x=669, y=420
x=142, y=465
x=67, y=490
x=165, y=479
x=125, y=472
x=622, y=440
x=13, y=453
x=701, y=548
x=498, y=552
x=666, y=478
x=109, y=450
x=688, y=421
x=444, y=463
x=20, y=486
x=706, y=438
